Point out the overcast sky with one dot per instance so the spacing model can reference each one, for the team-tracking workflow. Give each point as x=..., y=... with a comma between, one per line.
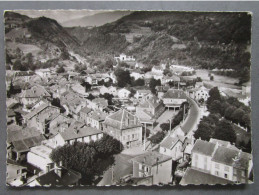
x=59, y=15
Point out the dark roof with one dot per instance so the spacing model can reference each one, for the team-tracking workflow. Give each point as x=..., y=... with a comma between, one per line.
x=77, y=132
x=35, y=91
x=151, y=158
x=25, y=144
x=169, y=142
x=175, y=94
x=196, y=177
x=68, y=177
x=204, y=147
x=232, y=157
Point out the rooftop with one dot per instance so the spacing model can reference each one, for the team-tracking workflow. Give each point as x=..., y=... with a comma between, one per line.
x=204, y=147
x=151, y=158
x=175, y=94
x=196, y=177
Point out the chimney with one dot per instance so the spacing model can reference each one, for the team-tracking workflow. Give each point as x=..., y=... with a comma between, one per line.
x=58, y=171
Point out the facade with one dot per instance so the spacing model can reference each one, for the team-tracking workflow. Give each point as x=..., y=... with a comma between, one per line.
x=15, y=173
x=31, y=96
x=39, y=156
x=141, y=93
x=95, y=119
x=199, y=93
x=220, y=159
x=77, y=134
x=40, y=117
x=125, y=127
x=155, y=165
x=123, y=93
x=157, y=69
x=173, y=98
x=124, y=58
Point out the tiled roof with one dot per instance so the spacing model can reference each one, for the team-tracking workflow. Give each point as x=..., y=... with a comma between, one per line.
x=122, y=119
x=97, y=115
x=232, y=157
x=204, y=147
x=15, y=132
x=169, y=142
x=25, y=144
x=151, y=158
x=152, y=102
x=68, y=177
x=100, y=101
x=86, y=110
x=77, y=132
x=196, y=177
x=38, y=110
x=35, y=91
x=175, y=94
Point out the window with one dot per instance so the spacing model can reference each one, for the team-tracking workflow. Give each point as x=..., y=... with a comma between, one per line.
x=243, y=173
x=226, y=175
x=234, y=171
x=217, y=166
x=18, y=171
x=132, y=136
x=164, y=149
x=216, y=173
x=226, y=168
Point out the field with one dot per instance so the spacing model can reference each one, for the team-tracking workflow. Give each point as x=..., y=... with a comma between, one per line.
x=25, y=48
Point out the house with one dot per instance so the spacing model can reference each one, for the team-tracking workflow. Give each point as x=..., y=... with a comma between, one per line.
x=199, y=93
x=39, y=156
x=157, y=69
x=141, y=93
x=124, y=58
x=15, y=173
x=95, y=119
x=155, y=165
x=58, y=123
x=98, y=104
x=137, y=75
x=174, y=98
x=172, y=146
x=83, y=114
x=149, y=109
x=220, y=159
x=175, y=79
x=113, y=90
x=77, y=133
x=43, y=73
x=161, y=90
x=123, y=93
x=57, y=176
x=125, y=127
x=21, y=140
x=155, y=75
x=30, y=96
x=40, y=116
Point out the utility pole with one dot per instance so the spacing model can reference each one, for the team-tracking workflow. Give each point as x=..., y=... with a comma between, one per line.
x=145, y=136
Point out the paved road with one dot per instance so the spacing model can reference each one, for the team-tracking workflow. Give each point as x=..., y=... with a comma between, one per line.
x=123, y=166
x=192, y=118
x=168, y=114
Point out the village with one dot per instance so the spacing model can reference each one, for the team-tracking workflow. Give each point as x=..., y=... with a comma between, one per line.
x=155, y=117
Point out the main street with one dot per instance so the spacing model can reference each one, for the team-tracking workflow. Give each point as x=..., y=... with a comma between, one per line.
x=193, y=117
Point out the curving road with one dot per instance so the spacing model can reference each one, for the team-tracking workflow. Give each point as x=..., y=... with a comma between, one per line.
x=193, y=117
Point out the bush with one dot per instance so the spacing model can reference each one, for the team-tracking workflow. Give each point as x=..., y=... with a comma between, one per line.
x=157, y=138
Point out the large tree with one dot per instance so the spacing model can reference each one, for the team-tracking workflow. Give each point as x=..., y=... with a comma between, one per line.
x=213, y=95
x=224, y=131
x=123, y=77
x=153, y=83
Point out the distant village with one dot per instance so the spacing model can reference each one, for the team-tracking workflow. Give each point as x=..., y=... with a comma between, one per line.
x=154, y=118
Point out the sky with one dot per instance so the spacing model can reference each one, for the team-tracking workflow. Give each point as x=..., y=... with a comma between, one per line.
x=59, y=15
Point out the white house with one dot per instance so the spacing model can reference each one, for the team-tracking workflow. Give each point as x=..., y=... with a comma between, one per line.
x=39, y=156
x=199, y=93
x=77, y=134
x=157, y=69
x=43, y=73
x=123, y=57
x=173, y=98
x=137, y=75
x=154, y=165
x=123, y=93
x=141, y=93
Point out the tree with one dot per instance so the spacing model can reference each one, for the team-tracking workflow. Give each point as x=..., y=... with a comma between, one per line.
x=153, y=83
x=87, y=86
x=138, y=82
x=246, y=121
x=157, y=138
x=165, y=126
x=237, y=115
x=224, y=131
x=91, y=97
x=205, y=131
x=60, y=69
x=212, y=78
x=215, y=107
x=213, y=95
x=123, y=77
x=108, y=97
